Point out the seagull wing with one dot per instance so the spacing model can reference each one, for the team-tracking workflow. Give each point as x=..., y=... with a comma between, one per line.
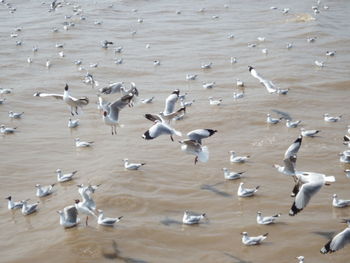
x=116, y=106
x=156, y=130
x=153, y=117
x=304, y=195
x=199, y=134
x=293, y=148
x=42, y=94
x=337, y=242
x=289, y=165
x=71, y=213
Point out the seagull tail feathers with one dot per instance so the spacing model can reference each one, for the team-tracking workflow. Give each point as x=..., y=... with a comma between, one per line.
x=203, y=156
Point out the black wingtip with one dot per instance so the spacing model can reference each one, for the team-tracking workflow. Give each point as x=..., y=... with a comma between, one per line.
x=294, y=210
x=147, y=136
x=326, y=249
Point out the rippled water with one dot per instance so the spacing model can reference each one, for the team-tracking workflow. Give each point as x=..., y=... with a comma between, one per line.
x=152, y=200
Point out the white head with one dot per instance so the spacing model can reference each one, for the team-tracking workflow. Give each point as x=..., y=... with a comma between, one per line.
x=210, y=98
x=268, y=115
x=241, y=184
x=126, y=160
x=58, y=171
x=77, y=139
x=326, y=115
x=335, y=196
x=232, y=153
x=259, y=213
x=2, y=126
x=244, y=233
x=37, y=185
x=225, y=169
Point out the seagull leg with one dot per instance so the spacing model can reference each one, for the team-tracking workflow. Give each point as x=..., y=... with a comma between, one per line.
x=71, y=111
x=171, y=137
x=112, y=130
x=115, y=130
x=196, y=160
x=86, y=221
x=76, y=110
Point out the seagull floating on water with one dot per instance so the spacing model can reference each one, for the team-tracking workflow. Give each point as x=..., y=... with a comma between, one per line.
x=271, y=120
x=7, y=130
x=15, y=115
x=208, y=85
x=73, y=123
x=12, y=204
x=215, y=102
x=64, y=177
x=340, y=202
x=329, y=118
x=106, y=221
x=250, y=241
x=132, y=166
x=191, y=218
x=28, y=209
x=191, y=77
x=266, y=220
x=292, y=124
x=231, y=175
x=42, y=191
x=238, y=159
x=246, y=192
x=308, y=133
x=147, y=100
x=82, y=144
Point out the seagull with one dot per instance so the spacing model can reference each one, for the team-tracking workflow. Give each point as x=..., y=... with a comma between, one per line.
x=249, y=241
x=116, y=87
x=48, y=63
x=42, y=191
x=82, y=144
x=170, y=102
x=69, y=216
x=231, y=175
x=292, y=124
x=106, y=43
x=207, y=66
x=132, y=166
x=5, y=91
x=74, y=103
x=191, y=77
x=195, y=148
x=147, y=100
x=290, y=157
x=15, y=115
x=339, y=241
x=156, y=62
x=271, y=120
x=345, y=156
x=28, y=209
x=340, y=202
x=237, y=96
x=208, y=85
x=6, y=130
x=86, y=194
x=2, y=100
x=111, y=114
x=64, y=177
x=328, y=118
x=185, y=104
x=270, y=87
x=191, y=218
x=264, y=51
x=119, y=61
x=233, y=60
x=308, y=133
x=289, y=45
x=89, y=79
x=319, y=63
x=216, y=102
x=239, y=83
x=13, y=205
x=106, y=221
x=118, y=49
x=304, y=191
x=311, y=39
x=266, y=220
x=73, y=123
x=246, y=192
x=238, y=159
x=84, y=209
x=159, y=128
x=330, y=53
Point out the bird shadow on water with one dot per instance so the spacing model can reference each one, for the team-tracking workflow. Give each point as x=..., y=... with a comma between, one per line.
x=168, y=221
x=215, y=190
x=237, y=259
x=116, y=254
x=325, y=234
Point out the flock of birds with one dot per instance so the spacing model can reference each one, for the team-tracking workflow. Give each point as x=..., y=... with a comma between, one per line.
x=306, y=184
